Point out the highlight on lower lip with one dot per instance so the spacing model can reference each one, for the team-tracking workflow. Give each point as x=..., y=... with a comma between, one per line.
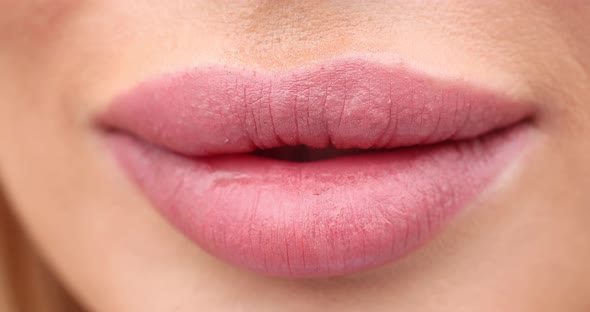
x=186, y=139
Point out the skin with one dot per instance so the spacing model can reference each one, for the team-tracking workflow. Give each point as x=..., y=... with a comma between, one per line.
x=524, y=245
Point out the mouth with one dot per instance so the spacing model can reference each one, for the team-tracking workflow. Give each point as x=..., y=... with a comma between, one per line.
x=318, y=171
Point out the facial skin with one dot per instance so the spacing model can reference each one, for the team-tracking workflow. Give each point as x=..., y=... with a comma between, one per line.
x=523, y=246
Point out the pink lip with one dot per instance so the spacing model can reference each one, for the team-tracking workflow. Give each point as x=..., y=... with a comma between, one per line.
x=184, y=138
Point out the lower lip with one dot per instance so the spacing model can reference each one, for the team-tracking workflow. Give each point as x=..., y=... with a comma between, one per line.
x=317, y=219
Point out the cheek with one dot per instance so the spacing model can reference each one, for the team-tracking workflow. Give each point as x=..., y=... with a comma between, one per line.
x=35, y=22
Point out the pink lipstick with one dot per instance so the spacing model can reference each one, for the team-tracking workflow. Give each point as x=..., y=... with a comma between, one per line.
x=317, y=171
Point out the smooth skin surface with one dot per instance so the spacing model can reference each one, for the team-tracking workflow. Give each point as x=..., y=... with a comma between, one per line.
x=523, y=246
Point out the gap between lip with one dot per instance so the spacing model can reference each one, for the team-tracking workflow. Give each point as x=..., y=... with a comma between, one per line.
x=264, y=153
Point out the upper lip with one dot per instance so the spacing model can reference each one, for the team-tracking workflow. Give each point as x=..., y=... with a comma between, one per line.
x=344, y=104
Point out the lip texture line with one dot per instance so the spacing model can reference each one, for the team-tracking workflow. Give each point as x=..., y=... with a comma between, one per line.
x=183, y=139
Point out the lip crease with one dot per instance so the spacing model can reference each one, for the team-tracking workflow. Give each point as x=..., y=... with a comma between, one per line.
x=197, y=144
